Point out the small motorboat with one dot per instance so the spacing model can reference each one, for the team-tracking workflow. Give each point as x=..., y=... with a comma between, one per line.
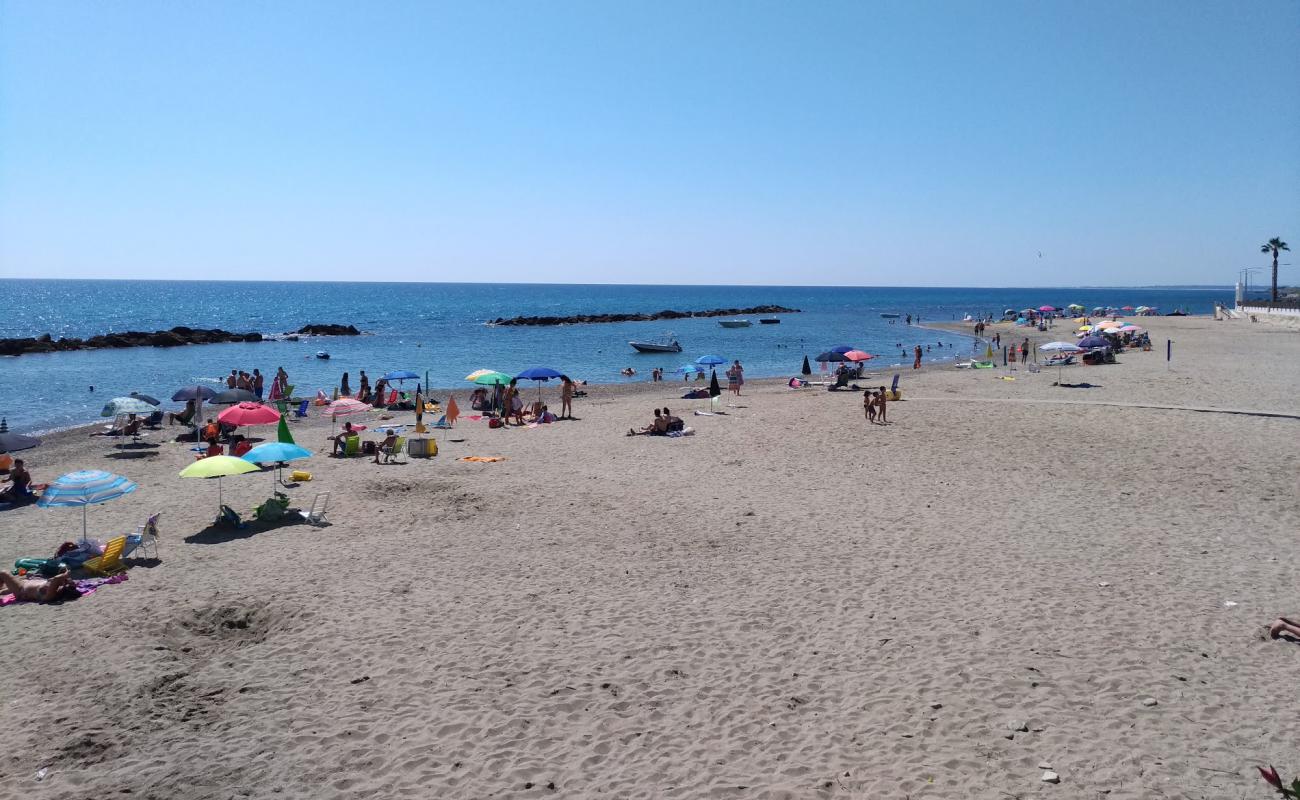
x=770, y=321
x=321, y=354
x=890, y=316
x=667, y=344
x=735, y=323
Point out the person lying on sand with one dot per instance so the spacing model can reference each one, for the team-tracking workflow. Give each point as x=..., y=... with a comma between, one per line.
x=1282, y=625
x=40, y=590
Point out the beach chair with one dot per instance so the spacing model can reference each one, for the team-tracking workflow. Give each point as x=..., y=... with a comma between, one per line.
x=110, y=561
x=301, y=410
x=391, y=453
x=316, y=514
x=144, y=539
x=352, y=446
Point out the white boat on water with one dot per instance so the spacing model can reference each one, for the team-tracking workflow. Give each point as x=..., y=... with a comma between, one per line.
x=665, y=345
x=735, y=323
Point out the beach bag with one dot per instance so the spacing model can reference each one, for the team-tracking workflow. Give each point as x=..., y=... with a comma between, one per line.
x=495, y=422
x=368, y=448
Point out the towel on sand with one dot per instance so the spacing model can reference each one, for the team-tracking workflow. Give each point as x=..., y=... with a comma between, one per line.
x=482, y=459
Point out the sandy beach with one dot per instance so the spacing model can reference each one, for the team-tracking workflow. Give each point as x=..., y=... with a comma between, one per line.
x=1011, y=577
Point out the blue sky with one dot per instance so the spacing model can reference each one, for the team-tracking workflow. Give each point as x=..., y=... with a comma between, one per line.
x=844, y=143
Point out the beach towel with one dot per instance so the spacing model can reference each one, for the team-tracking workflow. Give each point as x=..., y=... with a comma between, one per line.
x=85, y=587
x=482, y=459
x=679, y=434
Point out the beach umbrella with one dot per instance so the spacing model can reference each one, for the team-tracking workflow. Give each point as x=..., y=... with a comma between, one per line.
x=539, y=374
x=710, y=360
x=830, y=355
x=492, y=379
x=478, y=373
x=1090, y=342
x=198, y=393
x=858, y=355
x=1060, y=347
x=1047, y=308
x=988, y=352
x=1126, y=308
x=218, y=467
x=282, y=433
x=714, y=389
x=125, y=405
x=249, y=414
x=87, y=487
x=1074, y=305
x=400, y=375
x=148, y=398
x=342, y=407
x=275, y=453
x=842, y=349
x=231, y=396
x=807, y=368
x=688, y=369
x=13, y=442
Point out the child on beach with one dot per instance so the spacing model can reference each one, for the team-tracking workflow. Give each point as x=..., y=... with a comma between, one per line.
x=869, y=406
x=881, y=396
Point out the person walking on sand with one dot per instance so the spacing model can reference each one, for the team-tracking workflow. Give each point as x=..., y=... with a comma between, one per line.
x=735, y=377
x=916, y=363
x=566, y=397
x=881, y=397
x=869, y=406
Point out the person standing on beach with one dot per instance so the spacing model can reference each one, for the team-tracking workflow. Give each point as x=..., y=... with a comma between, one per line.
x=566, y=397
x=881, y=397
x=1024, y=351
x=259, y=383
x=916, y=363
x=345, y=388
x=231, y=380
x=869, y=406
x=363, y=391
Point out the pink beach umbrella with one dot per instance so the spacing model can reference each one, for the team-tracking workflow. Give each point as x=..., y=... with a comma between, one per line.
x=858, y=355
x=343, y=407
x=1047, y=308
x=249, y=414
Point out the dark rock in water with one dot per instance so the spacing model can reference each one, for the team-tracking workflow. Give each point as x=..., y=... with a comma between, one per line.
x=579, y=319
x=176, y=337
x=329, y=330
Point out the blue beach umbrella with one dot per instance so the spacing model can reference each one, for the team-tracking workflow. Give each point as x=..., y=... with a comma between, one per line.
x=539, y=374
x=842, y=349
x=274, y=453
x=85, y=488
x=686, y=369
x=710, y=360
x=400, y=375
x=1089, y=342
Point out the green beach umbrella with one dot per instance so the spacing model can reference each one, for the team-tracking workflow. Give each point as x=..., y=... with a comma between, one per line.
x=493, y=379
x=218, y=467
x=282, y=434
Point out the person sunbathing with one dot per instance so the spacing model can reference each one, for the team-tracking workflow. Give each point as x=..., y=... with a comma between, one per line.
x=341, y=440
x=1281, y=626
x=672, y=423
x=657, y=428
x=386, y=446
x=21, y=490
x=40, y=590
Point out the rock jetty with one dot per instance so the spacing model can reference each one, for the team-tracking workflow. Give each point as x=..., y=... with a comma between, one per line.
x=579, y=319
x=176, y=337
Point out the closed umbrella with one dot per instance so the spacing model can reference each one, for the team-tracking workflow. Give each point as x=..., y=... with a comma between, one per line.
x=87, y=487
x=218, y=467
x=807, y=368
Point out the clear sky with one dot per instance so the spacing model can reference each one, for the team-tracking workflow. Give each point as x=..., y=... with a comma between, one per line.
x=850, y=143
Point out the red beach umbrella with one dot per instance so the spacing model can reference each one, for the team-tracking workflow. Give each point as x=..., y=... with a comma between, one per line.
x=858, y=355
x=249, y=414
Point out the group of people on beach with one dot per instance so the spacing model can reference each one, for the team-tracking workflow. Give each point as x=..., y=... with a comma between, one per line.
x=874, y=405
x=664, y=423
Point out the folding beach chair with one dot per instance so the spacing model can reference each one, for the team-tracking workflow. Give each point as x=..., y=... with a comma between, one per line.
x=110, y=561
x=316, y=514
x=391, y=453
x=144, y=539
x=301, y=410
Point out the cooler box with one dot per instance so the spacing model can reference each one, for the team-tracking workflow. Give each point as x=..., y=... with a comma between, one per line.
x=421, y=448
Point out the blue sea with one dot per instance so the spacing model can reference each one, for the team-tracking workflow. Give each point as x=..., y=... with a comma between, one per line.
x=439, y=329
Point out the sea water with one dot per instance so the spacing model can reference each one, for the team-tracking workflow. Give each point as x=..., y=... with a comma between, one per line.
x=440, y=329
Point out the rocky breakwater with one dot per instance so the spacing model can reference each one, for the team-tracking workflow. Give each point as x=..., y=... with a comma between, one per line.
x=174, y=337
x=579, y=319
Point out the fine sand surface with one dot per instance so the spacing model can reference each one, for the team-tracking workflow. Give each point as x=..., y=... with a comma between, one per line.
x=790, y=603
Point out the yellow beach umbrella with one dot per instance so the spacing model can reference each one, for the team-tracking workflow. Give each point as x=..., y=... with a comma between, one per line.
x=218, y=467
x=1085, y=327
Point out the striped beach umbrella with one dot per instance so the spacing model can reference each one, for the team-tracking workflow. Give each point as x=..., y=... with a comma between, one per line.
x=85, y=488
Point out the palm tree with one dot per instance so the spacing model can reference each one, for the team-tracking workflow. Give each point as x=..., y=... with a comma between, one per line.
x=1274, y=246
